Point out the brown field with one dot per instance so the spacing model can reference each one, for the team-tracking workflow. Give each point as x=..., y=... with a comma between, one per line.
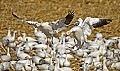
x=50, y=10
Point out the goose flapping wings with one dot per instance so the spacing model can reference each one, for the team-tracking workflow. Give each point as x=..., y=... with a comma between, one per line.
x=90, y=22
x=98, y=22
x=83, y=28
x=49, y=28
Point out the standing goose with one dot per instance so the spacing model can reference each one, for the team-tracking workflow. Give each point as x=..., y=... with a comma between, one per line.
x=9, y=38
x=66, y=62
x=77, y=33
x=6, y=38
x=6, y=57
x=22, y=55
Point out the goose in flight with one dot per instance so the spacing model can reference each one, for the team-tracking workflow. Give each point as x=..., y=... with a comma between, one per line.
x=50, y=28
x=82, y=29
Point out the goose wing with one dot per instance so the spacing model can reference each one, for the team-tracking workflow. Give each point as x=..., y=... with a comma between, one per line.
x=98, y=22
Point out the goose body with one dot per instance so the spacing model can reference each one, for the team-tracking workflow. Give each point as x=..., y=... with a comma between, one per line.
x=22, y=55
x=8, y=38
x=6, y=57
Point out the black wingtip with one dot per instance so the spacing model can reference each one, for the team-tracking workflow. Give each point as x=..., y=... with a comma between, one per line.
x=108, y=20
x=69, y=17
x=16, y=16
x=102, y=22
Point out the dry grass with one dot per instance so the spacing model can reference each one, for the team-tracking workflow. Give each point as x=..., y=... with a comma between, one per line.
x=50, y=10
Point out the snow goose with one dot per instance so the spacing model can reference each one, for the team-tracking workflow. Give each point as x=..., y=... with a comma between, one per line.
x=57, y=66
x=6, y=57
x=104, y=64
x=88, y=60
x=115, y=65
x=119, y=43
x=34, y=68
x=1, y=67
x=41, y=53
x=27, y=65
x=8, y=37
x=6, y=65
x=78, y=35
x=36, y=59
x=90, y=22
x=22, y=55
x=43, y=66
x=48, y=27
x=62, y=48
x=98, y=36
x=69, y=56
x=40, y=46
x=79, y=52
x=4, y=39
x=26, y=38
x=65, y=69
x=19, y=67
x=12, y=38
x=95, y=22
x=12, y=44
x=28, y=45
x=66, y=63
x=39, y=34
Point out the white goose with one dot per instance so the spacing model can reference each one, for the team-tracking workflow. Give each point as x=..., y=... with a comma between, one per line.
x=26, y=38
x=1, y=67
x=104, y=64
x=12, y=44
x=119, y=43
x=27, y=65
x=41, y=53
x=62, y=49
x=6, y=57
x=57, y=67
x=36, y=59
x=39, y=34
x=43, y=66
x=66, y=63
x=40, y=46
x=6, y=65
x=78, y=34
x=8, y=38
x=5, y=39
x=69, y=56
x=34, y=68
x=116, y=65
x=19, y=67
x=22, y=55
x=48, y=28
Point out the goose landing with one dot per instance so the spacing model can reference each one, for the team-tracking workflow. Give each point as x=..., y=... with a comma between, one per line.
x=49, y=28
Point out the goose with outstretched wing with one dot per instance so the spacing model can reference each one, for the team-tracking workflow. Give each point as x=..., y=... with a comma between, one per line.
x=82, y=29
x=50, y=28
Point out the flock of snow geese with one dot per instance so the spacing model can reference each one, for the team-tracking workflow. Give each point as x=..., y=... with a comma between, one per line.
x=50, y=52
